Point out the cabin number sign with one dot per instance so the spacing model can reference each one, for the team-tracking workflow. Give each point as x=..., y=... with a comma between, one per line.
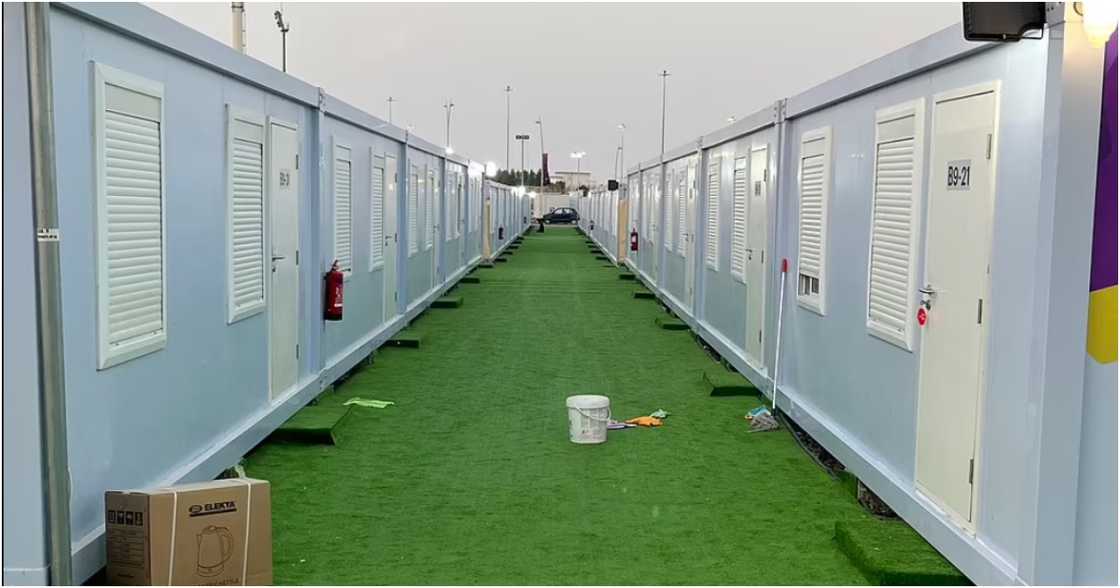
x=957, y=174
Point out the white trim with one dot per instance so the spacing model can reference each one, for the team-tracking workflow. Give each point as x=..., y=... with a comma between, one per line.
x=915, y=109
x=815, y=302
x=233, y=115
x=107, y=356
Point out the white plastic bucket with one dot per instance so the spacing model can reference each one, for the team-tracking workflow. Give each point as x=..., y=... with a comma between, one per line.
x=588, y=415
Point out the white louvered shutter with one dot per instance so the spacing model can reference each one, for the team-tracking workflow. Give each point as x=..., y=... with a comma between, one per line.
x=430, y=214
x=711, y=238
x=343, y=240
x=246, y=255
x=813, y=217
x=413, y=211
x=739, y=221
x=893, y=225
x=131, y=286
x=682, y=206
x=377, y=213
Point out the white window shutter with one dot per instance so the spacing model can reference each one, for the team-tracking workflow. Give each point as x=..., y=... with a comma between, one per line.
x=682, y=204
x=739, y=221
x=812, y=237
x=131, y=247
x=711, y=239
x=343, y=239
x=376, y=212
x=894, y=222
x=430, y=209
x=246, y=261
x=413, y=210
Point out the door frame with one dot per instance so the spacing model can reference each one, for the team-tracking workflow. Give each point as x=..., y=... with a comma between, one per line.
x=993, y=87
x=275, y=395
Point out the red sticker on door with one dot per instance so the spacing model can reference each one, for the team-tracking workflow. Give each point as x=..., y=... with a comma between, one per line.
x=922, y=316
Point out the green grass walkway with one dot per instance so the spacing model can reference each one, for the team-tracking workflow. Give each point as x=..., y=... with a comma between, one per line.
x=470, y=478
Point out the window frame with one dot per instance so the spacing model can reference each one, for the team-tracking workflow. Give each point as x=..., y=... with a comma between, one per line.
x=234, y=114
x=105, y=75
x=815, y=301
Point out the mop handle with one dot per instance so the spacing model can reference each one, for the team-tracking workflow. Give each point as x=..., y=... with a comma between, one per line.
x=778, y=339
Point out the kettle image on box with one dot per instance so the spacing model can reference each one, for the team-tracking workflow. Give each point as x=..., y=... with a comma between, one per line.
x=215, y=546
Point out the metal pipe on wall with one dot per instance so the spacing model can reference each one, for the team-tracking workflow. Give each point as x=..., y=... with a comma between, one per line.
x=48, y=296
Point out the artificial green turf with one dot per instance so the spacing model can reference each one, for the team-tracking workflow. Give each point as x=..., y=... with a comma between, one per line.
x=470, y=280
x=890, y=553
x=448, y=301
x=670, y=324
x=406, y=338
x=312, y=424
x=471, y=479
x=721, y=382
x=644, y=295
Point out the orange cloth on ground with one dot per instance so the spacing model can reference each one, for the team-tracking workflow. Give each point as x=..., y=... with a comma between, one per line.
x=645, y=421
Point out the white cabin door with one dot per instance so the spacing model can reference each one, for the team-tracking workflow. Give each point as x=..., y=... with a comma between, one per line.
x=958, y=233
x=757, y=217
x=435, y=185
x=690, y=235
x=283, y=296
x=389, y=230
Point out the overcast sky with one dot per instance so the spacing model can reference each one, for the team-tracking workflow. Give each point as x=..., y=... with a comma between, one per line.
x=583, y=68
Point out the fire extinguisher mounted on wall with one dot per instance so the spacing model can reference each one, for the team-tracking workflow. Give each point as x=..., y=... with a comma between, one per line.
x=633, y=239
x=332, y=299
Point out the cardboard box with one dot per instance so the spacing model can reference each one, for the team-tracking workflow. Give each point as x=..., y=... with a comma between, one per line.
x=207, y=534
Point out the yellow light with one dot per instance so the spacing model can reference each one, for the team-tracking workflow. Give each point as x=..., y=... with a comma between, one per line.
x=1099, y=19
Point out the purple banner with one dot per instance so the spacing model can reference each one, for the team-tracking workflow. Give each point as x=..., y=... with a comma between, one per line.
x=1103, y=272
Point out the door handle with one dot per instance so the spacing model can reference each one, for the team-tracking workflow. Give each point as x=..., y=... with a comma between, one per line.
x=929, y=293
x=276, y=258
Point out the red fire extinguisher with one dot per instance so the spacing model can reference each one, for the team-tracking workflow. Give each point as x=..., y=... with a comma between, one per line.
x=333, y=298
x=633, y=239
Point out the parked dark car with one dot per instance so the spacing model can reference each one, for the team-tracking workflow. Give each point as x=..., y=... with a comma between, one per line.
x=562, y=215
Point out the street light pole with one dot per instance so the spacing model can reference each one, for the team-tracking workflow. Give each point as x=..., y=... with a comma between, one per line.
x=284, y=28
x=621, y=149
x=509, y=89
x=664, y=87
x=578, y=156
x=540, y=126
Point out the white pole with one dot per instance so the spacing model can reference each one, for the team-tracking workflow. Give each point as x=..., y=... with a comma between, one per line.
x=778, y=339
